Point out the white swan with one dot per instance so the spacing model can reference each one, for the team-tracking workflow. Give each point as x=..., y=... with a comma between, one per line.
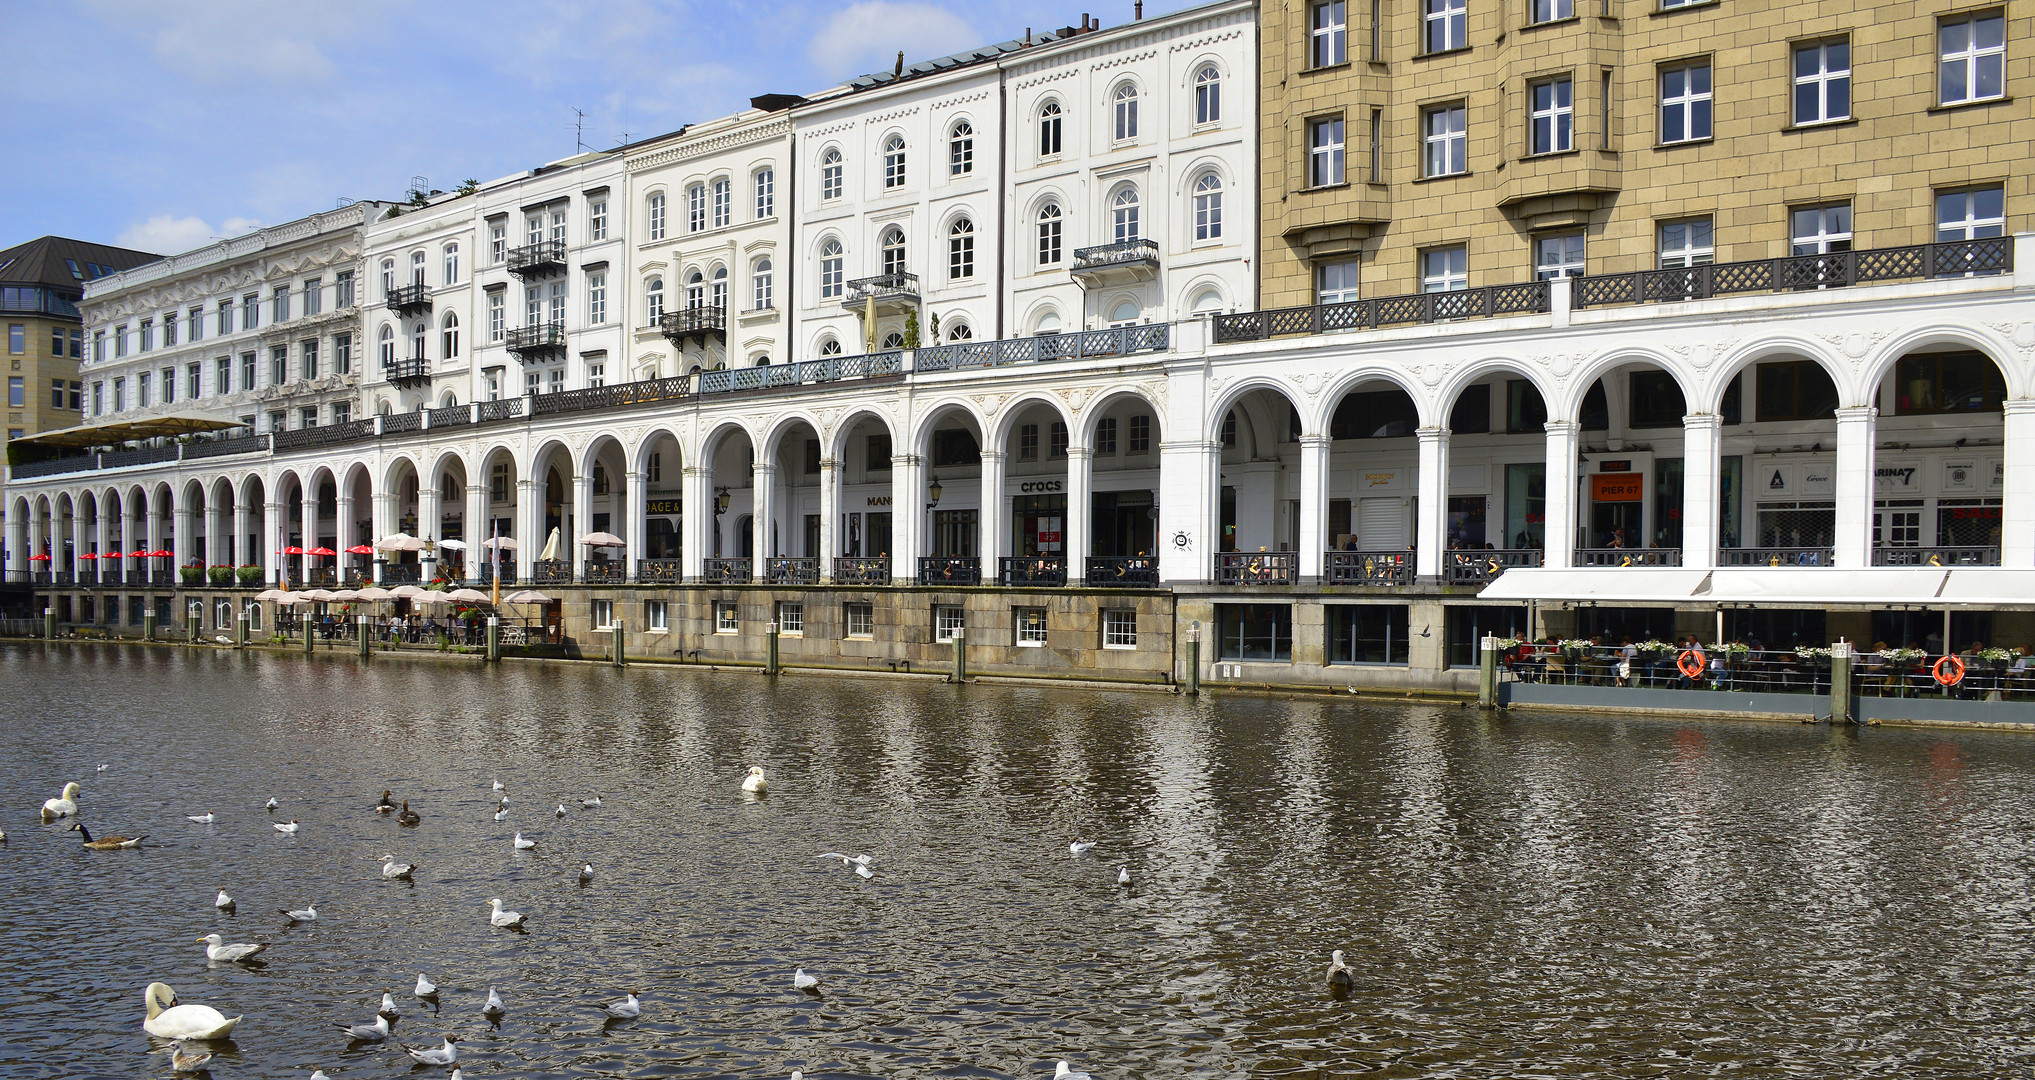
x=524, y=845
x=168, y=1020
x=63, y=805
x=499, y=917
x=755, y=784
x=216, y=948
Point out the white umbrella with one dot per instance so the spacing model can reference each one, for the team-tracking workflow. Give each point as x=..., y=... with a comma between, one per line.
x=602, y=539
x=320, y=595
x=289, y=599
x=373, y=594
x=399, y=542
x=347, y=595
x=550, y=553
x=405, y=592
x=428, y=597
x=527, y=596
x=469, y=596
x=452, y=545
x=505, y=543
x=270, y=594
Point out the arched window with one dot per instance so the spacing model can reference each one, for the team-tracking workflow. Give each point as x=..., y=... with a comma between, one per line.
x=1049, y=234
x=830, y=175
x=1208, y=207
x=961, y=250
x=830, y=346
x=1206, y=301
x=452, y=489
x=695, y=290
x=724, y=203
x=1048, y=322
x=893, y=162
x=957, y=330
x=696, y=208
x=1207, y=95
x=893, y=251
x=386, y=344
x=831, y=281
x=448, y=334
x=657, y=216
x=416, y=268
x=1124, y=314
x=961, y=149
x=893, y=340
x=383, y=407
x=388, y=277
x=449, y=258
x=760, y=294
x=653, y=299
x=417, y=341
x=766, y=193
x=760, y=360
x=1049, y=130
x=1123, y=214
x=719, y=299
x=1126, y=112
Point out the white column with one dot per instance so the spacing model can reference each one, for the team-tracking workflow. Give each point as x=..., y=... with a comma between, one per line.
x=342, y=532
x=428, y=528
x=1558, y=526
x=272, y=530
x=241, y=526
x=1190, y=497
x=101, y=539
x=1074, y=542
x=1700, y=512
x=180, y=539
x=1314, y=472
x=1855, y=428
x=762, y=512
x=695, y=519
x=1430, y=531
x=830, y=513
x=907, y=516
x=993, y=520
x=529, y=528
x=582, y=512
x=310, y=537
x=381, y=522
x=636, y=529
x=78, y=542
x=2017, y=510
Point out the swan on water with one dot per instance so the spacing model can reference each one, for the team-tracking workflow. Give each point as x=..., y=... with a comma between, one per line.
x=755, y=784
x=425, y=987
x=374, y=1032
x=216, y=948
x=63, y=805
x=499, y=917
x=205, y=818
x=307, y=913
x=524, y=845
x=1340, y=978
x=393, y=869
x=168, y=1020
x=442, y=1055
x=287, y=827
x=106, y=843
x=626, y=1009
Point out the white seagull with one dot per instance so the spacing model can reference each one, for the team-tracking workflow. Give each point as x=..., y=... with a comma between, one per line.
x=307, y=913
x=102, y=768
x=180, y=1061
x=1340, y=978
x=862, y=870
x=586, y=873
x=374, y=1032
x=1123, y=876
x=425, y=987
x=63, y=805
x=223, y=902
x=591, y=803
x=443, y=1055
x=272, y=804
x=626, y=1009
x=388, y=1010
x=319, y=1074
x=502, y=814
x=216, y=948
x=499, y=917
x=393, y=869
x=1066, y=1072
x=755, y=784
x=808, y=983
x=494, y=1006
x=202, y=819
x=289, y=826
x=499, y=786
x=847, y=860
x=524, y=845
x=561, y=809
x=1080, y=847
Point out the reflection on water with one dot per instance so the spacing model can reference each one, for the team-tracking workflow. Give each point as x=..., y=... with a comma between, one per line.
x=1533, y=895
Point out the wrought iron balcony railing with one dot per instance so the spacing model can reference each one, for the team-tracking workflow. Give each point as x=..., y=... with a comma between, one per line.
x=1122, y=571
x=532, y=260
x=1475, y=567
x=884, y=289
x=408, y=371
x=726, y=571
x=1629, y=556
x=1257, y=568
x=694, y=322
x=788, y=571
x=950, y=570
x=861, y=570
x=410, y=299
x=535, y=344
x=1031, y=571
x=1975, y=555
x=1136, y=254
x=1368, y=567
x=1115, y=341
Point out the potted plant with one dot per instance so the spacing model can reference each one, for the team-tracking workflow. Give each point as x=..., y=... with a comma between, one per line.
x=249, y=575
x=192, y=575
x=221, y=575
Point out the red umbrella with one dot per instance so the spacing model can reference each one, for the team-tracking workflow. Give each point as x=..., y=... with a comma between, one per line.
x=293, y=551
x=162, y=554
x=320, y=551
x=360, y=549
x=143, y=554
x=39, y=558
x=88, y=555
x=113, y=555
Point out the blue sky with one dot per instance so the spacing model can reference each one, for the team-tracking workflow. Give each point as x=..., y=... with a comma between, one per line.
x=161, y=125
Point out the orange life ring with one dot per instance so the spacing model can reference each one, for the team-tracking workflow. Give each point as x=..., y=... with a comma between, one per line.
x=1954, y=675
x=1691, y=663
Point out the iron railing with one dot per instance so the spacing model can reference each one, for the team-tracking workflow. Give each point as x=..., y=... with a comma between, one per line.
x=398, y=423
x=451, y=416
x=541, y=257
x=605, y=573
x=883, y=288
x=950, y=570
x=1629, y=556
x=1031, y=571
x=1121, y=571
x=504, y=409
x=1936, y=556
x=327, y=435
x=406, y=299
x=690, y=321
x=861, y=570
x=1776, y=556
x=408, y=371
x=1953, y=258
x=788, y=571
x=402, y=573
x=1115, y=341
x=734, y=571
x=1257, y=568
x=535, y=342
x=1368, y=567
x=660, y=571
x=144, y=455
x=1475, y=567
x=806, y=373
x=551, y=572
x=55, y=466
x=240, y=444
x=1492, y=300
x=1135, y=252
x=485, y=573
x=644, y=392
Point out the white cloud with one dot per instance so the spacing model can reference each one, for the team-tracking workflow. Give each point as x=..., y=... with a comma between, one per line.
x=867, y=36
x=166, y=234
x=225, y=43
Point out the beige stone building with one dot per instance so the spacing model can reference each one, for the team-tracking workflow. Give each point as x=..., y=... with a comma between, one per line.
x=40, y=284
x=1445, y=144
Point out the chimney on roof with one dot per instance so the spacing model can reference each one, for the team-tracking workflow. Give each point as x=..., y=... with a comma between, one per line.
x=1138, y=10
x=899, y=69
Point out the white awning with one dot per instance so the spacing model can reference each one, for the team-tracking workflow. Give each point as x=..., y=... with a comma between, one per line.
x=1598, y=585
x=1878, y=587
x=1989, y=586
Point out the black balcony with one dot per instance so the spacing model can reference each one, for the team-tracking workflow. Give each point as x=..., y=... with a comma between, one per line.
x=1257, y=568
x=660, y=571
x=1122, y=572
x=1032, y=572
x=551, y=572
x=788, y=571
x=537, y=344
x=412, y=371
x=890, y=291
x=1368, y=568
x=861, y=570
x=1628, y=556
x=1475, y=567
x=1777, y=556
x=407, y=573
x=691, y=322
x=1953, y=258
x=726, y=571
x=950, y=570
x=1527, y=298
x=605, y=573
x=1936, y=556
x=538, y=259
x=410, y=299
x=1125, y=260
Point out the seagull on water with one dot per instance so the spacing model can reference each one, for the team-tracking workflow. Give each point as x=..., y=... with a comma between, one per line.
x=223, y=902
x=289, y=827
x=502, y=814
x=202, y=819
x=272, y=804
x=374, y=1032
x=393, y=869
x=755, y=784
x=586, y=873
x=1078, y=848
x=1340, y=978
x=499, y=917
x=494, y=1007
x=808, y=983
x=181, y=1061
x=1066, y=1072
x=561, y=809
x=307, y=913
x=499, y=786
x=425, y=987
x=216, y=948
x=524, y=845
x=443, y=1055
x=847, y=860
x=1123, y=876
x=863, y=871
x=102, y=768
x=388, y=1010
x=319, y=1074
x=592, y=803
x=626, y=1009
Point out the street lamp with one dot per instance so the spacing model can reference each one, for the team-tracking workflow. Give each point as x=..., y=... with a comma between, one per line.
x=722, y=499
x=933, y=491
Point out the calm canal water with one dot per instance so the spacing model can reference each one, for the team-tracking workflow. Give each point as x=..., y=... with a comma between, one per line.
x=1537, y=895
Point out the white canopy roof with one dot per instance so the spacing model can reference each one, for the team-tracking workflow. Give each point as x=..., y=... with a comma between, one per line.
x=1878, y=587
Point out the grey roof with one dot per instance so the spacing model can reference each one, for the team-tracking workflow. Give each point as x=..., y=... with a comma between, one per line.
x=959, y=59
x=50, y=260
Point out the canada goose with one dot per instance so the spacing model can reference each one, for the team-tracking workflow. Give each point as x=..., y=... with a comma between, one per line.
x=63, y=805
x=499, y=917
x=392, y=869
x=217, y=949
x=110, y=843
x=1340, y=978
x=168, y=1020
x=755, y=784
x=407, y=816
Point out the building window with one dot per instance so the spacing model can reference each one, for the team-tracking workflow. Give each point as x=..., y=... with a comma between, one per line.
x=1119, y=628
x=1445, y=269
x=169, y=334
x=893, y=162
x=1049, y=130
x=558, y=225
x=1207, y=95
x=1546, y=11
x=119, y=339
x=1367, y=633
x=314, y=296
x=222, y=375
x=225, y=317
x=279, y=364
x=279, y=304
x=1056, y=440
x=1819, y=230
x=1822, y=82
x=342, y=289
x=604, y=615
x=307, y=357
x=1554, y=116
x=596, y=299
x=1971, y=62
x=1448, y=25
x=893, y=251
x=1330, y=34
x=448, y=336
x=1126, y=112
x=1208, y=207
x=146, y=334
x=250, y=312
x=194, y=379
x=194, y=325
x=1105, y=435
x=720, y=289
x=1254, y=632
x=765, y=182
x=1447, y=140
x=498, y=242
x=597, y=375
x=247, y=371
x=1028, y=442
x=56, y=393
x=696, y=208
x=725, y=618
x=307, y=417
x=1685, y=102
x=961, y=149
x=655, y=617
x=724, y=202
x=597, y=219
x=1031, y=626
x=831, y=346
x=1139, y=440
x=831, y=280
x=948, y=622
x=1336, y=282
x=120, y=395
x=448, y=264
x=653, y=299
x=17, y=391
x=1685, y=243
x=791, y=617
x=961, y=250
x=1049, y=234
x=1325, y=152
x=557, y=380
x=657, y=216
x=1558, y=257
x=830, y=175
x=860, y=619
x=387, y=347
x=1123, y=214
x=761, y=297
x=1970, y=214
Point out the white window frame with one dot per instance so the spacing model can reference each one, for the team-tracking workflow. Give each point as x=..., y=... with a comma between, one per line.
x=761, y=281
x=1336, y=282
x=448, y=268
x=1547, y=11
x=832, y=174
x=656, y=617
x=724, y=202
x=1124, y=211
x=832, y=273
x=1687, y=104
x=604, y=615
x=597, y=219
x=1553, y=115
x=1445, y=139
x=858, y=617
x=1973, y=221
x=727, y=617
x=1829, y=75
x=657, y=216
x=961, y=149
x=1124, y=112
x=696, y=208
x=653, y=299
x=498, y=242
x=791, y=618
x=1328, y=34
x=1207, y=95
x=1959, y=52
x=1208, y=207
x=498, y=315
x=1833, y=229
x=1444, y=26
x=1445, y=269
x=1559, y=256
x=1119, y=628
x=1029, y=625
x=961, y=250
x=949, y=619
x=1051, y=128
x=1326, y=152
x=893, y=162
x=597, y=298
x=1687, y=242
x=1051, y=233
x=765, y=183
